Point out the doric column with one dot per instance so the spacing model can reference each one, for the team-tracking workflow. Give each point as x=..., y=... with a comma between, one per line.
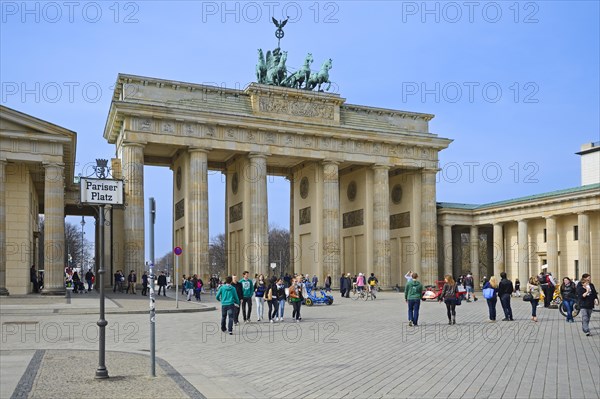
x=583, y=221
x=198, y=213
x=292, y=248
x=133, y=173
x=448, y=249
x=54, y=229
x=474, y=246
x=523, y=252
x=3, y=290
x=552, y=245
x=258, y=249
x=381, y=225
x=331, y=220
x=498, y=249
x=428, y=227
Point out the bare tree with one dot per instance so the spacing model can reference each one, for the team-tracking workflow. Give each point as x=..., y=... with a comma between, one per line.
x=74, y=256
x=217, y=256
x=279, y=249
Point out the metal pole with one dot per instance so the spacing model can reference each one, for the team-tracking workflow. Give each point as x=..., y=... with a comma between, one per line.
x=101, y=371
x=177, y=282
x=152, y=216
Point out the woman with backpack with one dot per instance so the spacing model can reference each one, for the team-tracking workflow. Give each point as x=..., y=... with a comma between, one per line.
x=260, y=289
x=272, y=299
x=412, y=296
x=533, y=288
x=448, y=295
x=490, y=293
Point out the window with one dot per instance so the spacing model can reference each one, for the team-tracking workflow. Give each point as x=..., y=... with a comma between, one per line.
x=575, y=233
x=576, y=270
x=545, y=235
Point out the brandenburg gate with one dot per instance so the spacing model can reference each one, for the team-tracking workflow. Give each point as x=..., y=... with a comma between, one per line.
x=362, y=179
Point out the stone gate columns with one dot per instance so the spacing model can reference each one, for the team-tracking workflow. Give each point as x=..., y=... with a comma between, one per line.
x=552, y=245
x=198, y=218
x=3, y=290
x=428, y=227
x=381, y=225
x=474, y=246
x=583, y=221
x=54, y=229
x=331, y=220
x=258, y=248
x=133, y=173
x=447, y=235
x=498, y=249
x=523, y=252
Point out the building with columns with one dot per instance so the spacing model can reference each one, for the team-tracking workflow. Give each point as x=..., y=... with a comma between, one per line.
x=36, y=177
x=362, y=179
x=559, y=229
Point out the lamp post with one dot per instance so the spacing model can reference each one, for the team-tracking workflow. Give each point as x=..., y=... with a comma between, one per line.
x=82, y=225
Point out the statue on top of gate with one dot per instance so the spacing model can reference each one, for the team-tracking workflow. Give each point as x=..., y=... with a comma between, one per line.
x=272, y=70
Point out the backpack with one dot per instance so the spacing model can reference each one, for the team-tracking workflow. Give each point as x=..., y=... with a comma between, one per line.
x=542, y=279
x=372, y=281
x=549, y=281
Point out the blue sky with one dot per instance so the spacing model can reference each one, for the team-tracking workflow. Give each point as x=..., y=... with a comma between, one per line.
x=514, y=84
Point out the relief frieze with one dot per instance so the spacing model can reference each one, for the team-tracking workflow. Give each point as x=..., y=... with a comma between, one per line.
x=353, y=219
x=295, y=108
x=399, y=220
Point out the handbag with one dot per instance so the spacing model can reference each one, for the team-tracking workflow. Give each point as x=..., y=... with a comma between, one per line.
x=528, y=297
x=488, y=293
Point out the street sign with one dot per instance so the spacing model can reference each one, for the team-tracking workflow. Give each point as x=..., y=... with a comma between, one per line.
x=101, y=191
x=177, y=251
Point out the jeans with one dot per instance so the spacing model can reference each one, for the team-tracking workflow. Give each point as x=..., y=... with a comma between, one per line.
x=227, y=311
x=505, y=302
x=272, y=312
x=548, y=292
x=190, y=292
x=89, y=283
x=260, y=307
x=569, y=307
x=246, y=308
x=281, y=309
x=413, y=310
x=534, y=304
x=296, y=312
x=164, y=289
x=586, y=314
x=492, y=307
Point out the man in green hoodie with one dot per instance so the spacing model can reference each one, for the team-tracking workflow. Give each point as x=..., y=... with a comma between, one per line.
x=412, y=295
x=229, y=298
x=248, y=291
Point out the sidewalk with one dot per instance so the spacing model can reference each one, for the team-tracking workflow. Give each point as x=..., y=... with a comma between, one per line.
x=115, y=303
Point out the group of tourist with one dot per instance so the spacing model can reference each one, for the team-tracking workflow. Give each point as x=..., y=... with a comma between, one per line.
x=584, y=293
x=359, y=282
x=236, y=297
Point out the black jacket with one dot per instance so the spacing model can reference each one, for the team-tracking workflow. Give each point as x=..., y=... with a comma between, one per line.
x=162, y=280
x=505, y=287
x=586, y=302
x=238, y=290
x=568, y=292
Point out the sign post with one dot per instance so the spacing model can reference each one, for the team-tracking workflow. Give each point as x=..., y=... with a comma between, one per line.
x=101, y=191
x=177, y=251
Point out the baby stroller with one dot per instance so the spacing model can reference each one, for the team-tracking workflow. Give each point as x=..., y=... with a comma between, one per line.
x=79, y=287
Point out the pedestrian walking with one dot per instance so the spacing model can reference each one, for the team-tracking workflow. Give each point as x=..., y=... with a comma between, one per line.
x=259, y=296
x=227, y=295
x=296, y=297
x=162, y=284
x=517, y=292
x=189, y=288
x=505, y=289
x=240, y=293
x=343, y=287
x=281, y=299
x=89, y=279
x=412, y=296
x=247, y=292
x=271, y=298
x=588, y=297
x=33, y=279
x=131, y=281
x=328, y=283
x=448, y=295
x=490, y=293
x=315, y=281
x=533, y=288
x=144, y=283
x=372, y=283
x=568, y=292
x=470, y=286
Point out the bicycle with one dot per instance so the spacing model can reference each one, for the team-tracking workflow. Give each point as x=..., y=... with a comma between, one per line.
x=563, y=310
x=361, y=294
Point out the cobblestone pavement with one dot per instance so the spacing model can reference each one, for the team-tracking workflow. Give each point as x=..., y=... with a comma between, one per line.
x=352, y=349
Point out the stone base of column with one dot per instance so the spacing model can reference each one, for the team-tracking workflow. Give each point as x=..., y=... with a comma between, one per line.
x=4, y=292
x=54, y=291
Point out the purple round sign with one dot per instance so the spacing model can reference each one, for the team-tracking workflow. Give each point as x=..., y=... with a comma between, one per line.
x=178, y=251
